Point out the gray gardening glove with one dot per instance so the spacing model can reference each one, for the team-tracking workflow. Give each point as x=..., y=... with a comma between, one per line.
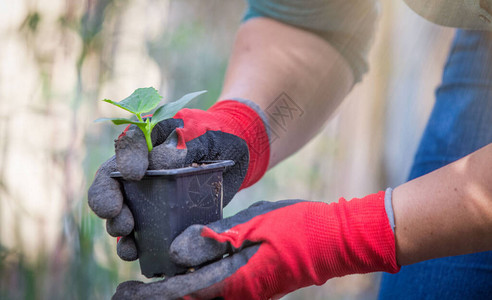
x=229, y=130
x=132, y=160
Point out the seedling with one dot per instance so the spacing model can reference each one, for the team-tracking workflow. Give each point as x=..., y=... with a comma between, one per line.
x=141, y=102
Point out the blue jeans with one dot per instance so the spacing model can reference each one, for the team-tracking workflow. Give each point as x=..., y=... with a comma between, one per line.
x=460, y=123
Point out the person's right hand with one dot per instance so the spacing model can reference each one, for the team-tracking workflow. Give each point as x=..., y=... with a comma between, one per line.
x=274, y=248
x=229, y=130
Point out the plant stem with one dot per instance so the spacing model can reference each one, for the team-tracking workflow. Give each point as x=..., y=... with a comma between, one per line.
x=147, y=130
x=148, y=139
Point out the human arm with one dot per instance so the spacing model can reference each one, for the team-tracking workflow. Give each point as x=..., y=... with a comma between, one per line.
x=270, y=58
x=446, y=212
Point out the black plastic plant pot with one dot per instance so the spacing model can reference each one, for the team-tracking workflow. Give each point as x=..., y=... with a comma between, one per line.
x=166, y=202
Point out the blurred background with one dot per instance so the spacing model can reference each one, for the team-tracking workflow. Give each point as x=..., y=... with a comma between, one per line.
x=59, y=58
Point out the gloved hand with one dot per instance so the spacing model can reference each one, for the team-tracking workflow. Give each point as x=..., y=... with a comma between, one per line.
x=230, y=129
x=274, y=248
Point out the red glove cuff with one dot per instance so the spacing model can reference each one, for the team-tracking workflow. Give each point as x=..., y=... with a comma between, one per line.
x=364, y=238
x=251, y=128
x=236, y=118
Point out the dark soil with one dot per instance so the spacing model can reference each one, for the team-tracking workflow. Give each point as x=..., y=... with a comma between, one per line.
x=197, y=165
x=217, y=187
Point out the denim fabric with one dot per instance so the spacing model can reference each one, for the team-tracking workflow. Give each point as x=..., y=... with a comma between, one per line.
x=348, y=26
x=460, y=123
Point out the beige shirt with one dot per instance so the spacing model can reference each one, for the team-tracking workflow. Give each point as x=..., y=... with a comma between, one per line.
x=467, y=14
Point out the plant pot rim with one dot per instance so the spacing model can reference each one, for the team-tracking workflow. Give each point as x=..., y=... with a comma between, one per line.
x=210, y=165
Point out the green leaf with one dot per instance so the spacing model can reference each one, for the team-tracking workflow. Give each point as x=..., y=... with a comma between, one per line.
x=140, y=101
x=119, y=121
x=117, y=104
x=170, y=109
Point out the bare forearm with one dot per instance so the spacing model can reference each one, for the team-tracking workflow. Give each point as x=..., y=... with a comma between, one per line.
x=270, y=59
x=447, y=212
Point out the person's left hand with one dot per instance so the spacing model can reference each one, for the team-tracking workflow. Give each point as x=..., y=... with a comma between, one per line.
x=273, y=248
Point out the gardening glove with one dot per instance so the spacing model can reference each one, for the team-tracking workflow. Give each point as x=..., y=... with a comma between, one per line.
x=229, y=130
x=273, y=248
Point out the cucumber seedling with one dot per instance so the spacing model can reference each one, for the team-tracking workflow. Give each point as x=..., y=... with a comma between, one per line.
x=141, y=102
